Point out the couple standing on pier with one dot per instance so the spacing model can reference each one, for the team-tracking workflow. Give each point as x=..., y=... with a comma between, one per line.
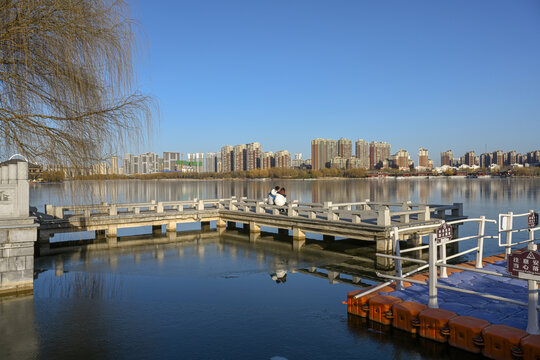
x=277, y=196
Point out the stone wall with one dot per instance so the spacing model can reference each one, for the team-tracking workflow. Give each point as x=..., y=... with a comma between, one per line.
x=17, y=230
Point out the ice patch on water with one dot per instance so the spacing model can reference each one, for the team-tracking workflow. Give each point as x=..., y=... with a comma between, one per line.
x=278, y=358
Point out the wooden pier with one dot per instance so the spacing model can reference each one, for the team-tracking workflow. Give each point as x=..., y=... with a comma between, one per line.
x=365, y=220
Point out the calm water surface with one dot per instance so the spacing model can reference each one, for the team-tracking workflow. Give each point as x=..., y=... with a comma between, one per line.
x=211, y=297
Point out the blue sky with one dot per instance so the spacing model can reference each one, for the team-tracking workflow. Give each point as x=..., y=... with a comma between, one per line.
x=461, y=75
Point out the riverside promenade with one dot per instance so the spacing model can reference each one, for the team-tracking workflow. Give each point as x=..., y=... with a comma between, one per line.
x=482, y=306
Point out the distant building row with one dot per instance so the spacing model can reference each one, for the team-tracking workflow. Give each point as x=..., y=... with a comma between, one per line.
x=246, y=157
x=486, y=160
x=328, y=153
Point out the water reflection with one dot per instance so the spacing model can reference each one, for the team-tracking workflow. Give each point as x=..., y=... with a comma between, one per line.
x=18, y=336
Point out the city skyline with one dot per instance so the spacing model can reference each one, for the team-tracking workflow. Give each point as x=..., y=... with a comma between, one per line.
x=446, y=75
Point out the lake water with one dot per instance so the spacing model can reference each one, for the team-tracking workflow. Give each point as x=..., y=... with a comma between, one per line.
x=211, y=297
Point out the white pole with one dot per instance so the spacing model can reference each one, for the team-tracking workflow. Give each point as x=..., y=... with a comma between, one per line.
x=480, y=250
x=399, y=272
x=510, y=223
x=532, y=323
x=432, y=302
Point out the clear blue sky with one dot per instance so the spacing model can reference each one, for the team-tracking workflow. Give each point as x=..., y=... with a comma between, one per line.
x=458, y=74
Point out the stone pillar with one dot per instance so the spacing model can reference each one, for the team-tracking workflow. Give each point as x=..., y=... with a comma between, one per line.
x=254, y=228
x=299, y=239
x=171, y=227
x=112, y=232
x=18, y=233
x=384, y=246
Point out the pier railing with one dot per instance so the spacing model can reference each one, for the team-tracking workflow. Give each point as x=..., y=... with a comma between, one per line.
x=510, y=224
x=367, y=212
x=438, y=261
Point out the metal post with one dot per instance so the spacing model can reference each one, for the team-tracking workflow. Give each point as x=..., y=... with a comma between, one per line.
x=444, y=274
x=432, y=302
x=397, y=252
x=510, y=225
x=532, y=322
x=480, y=250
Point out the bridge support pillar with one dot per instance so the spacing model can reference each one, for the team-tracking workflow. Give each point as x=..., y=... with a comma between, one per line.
x=384, y=246
x=221, y=223
x=254, y=236
x=156, y=230
x=329, y=238
x=171, y=227
x=43, y=244
x=112, y=233
x=254, y=228
x=205, y=226
x=299, y=238
x=414, y=241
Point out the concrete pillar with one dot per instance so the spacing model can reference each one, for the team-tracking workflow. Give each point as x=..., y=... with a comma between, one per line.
x=333, y=276
x=112, y=233
x=171, y=226
x=221, y=223
x=254, y=236
x=383, y=217
x=299, y=238
x=205, y=226
x=384, y=246
x=171, y=235
x=254, y=228
x=59, y=266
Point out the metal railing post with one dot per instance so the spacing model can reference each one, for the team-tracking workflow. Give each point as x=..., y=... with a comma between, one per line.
x=532, y=322
x=444, y=274
x=432, y=302
x=509, y=227
x=480, y=250
x=397, y=252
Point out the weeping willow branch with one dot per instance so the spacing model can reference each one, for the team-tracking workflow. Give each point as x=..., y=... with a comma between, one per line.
x=66, y=81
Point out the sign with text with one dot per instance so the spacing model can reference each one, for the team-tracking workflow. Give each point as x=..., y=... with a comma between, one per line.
x=532, y=219
x=444, y=233
x=525, y=262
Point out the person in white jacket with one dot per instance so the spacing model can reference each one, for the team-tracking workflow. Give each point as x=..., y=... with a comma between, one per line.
x=272, y=195
x=281, y=198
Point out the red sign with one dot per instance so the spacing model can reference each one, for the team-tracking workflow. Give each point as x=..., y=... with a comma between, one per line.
x=532, y=219
x=527, y=262
x=444, y=233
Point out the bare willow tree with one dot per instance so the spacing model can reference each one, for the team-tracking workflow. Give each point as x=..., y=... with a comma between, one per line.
x=66, y=80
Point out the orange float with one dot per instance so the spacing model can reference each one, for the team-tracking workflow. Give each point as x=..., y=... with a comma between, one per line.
x=530, y=346
x=502, y=342
x=406, y=315
x=359, y=305
x=380, y=308
x=464, y=330
x=434, y=324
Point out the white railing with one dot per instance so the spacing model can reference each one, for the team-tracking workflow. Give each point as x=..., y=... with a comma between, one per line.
x=440, y=262
x=506, y=229
x=374, y=213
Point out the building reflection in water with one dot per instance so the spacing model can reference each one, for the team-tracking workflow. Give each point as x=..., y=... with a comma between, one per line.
x=18, y=338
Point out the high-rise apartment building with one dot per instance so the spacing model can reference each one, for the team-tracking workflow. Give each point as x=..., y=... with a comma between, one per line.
x=344, y=148
x=378, y=152
x=322, y=151
x=227, y=158
x=447, y=159
x=297, y=161
x=509, y=158
x=268, y=160
x=253, y=156
x=469, y=158
x=498, y=158
x=239, y=156
x=338, y=162
x=486, y=160
x=196, y=161
x=212, y=161
x=114, y=165
x=149, y=163
x=283, y=159
x=402, y=159
x=169, y=160
x=362, y=154
x=423, y=158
